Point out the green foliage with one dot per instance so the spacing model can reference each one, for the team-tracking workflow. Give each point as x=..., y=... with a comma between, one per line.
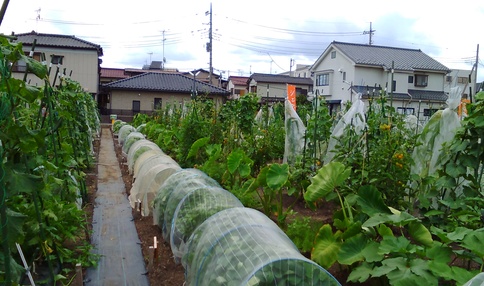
x=45, y=146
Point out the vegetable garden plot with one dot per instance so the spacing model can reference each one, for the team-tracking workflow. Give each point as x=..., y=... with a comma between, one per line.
x=193, y=209
x=130, y=140
x=124, y=131
x=149, y=181
x=181, y=177
x=239, y=247
x=138, y=153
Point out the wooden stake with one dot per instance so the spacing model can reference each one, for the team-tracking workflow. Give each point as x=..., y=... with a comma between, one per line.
x=155, y=246
x=151, y=255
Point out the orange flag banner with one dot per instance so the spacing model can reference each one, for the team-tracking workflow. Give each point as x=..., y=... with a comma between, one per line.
x=291, y=95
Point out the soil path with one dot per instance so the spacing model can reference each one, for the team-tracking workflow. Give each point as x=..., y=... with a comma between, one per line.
x=114, y=234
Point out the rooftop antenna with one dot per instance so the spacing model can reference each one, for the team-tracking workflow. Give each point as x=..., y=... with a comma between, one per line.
x=150, y=53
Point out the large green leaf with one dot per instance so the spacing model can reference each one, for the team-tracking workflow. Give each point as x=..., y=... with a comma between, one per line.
x=361, y=273
x=474, y=241
x=329, y=177
x=277, y=175
x=196, y=146
x=351, y=250
x=371, y=201
x=234, y=159
x=326, y=247
x=420, y=233
x=18, y=182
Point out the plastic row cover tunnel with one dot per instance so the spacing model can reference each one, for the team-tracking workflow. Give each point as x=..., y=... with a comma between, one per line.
x=137, y=149
x=242, y=246
x=151, y=175
x=186, y=200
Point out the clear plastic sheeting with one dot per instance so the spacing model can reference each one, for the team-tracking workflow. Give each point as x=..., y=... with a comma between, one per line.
x=193, y=209
x=238, y=246
x=163, y=194
x=124, y=132
x=149, y=181
x=141, y=128
x=179, y=192
x=130, y=139
x=295, y=132
x=139, y=148
x=355, y=117
x=144, y=165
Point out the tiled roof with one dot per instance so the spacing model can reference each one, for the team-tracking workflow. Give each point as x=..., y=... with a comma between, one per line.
x=113, y=73
x=404, y=59
x=58, y=41
x=276, y=78
x=413, y=94
x=239, y=80
x=165, y=82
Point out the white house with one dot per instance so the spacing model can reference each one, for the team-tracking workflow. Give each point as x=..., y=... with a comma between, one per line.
x=413, y=80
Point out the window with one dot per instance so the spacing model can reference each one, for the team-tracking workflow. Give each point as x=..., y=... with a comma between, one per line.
x=56, y=59
x=322, y=79
x=406, y=110
x=429, y=111
x=462, y=80
x=333, y=54
x=344, y=75
x=136, y=106
x=157, y=103
x=21, y=66
x=253, y=89
x=410, y=79
x=394, y=86
x=448, y=78
x=421, y=80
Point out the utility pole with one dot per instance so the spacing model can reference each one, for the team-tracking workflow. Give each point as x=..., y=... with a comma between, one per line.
x=370, y=33
x=477, y=64
x=291, y=63
x=164, y=60
x=209, y=44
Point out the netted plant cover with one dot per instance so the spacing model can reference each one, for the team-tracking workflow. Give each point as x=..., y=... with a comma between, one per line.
x=439, y=129
x=117, y=125
x=130, y=139
x=295, y=132
x=178, y=193
x=239, y=247
x=149, y=162
x=165, y=190
x=139, y=148
x=124, y=131
x=193, y=209
x=148, y=183
x=355, y=117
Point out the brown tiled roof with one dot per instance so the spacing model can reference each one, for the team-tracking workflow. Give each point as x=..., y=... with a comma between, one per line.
x=113, y=73
x=57, y=41
x=239, y=80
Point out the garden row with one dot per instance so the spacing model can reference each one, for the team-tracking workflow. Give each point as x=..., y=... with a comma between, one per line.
x=46, y=146
x=409, y=193
x=216, y=238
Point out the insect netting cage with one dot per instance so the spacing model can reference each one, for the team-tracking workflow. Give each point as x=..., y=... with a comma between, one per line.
x=141, y=128
x=124, y=131
x=165, y=190
x=138, y=148
x=241, y=246
x=130, y=140
x=177, y=196
x=151, y=177
x=193, y=209
x=117, y=125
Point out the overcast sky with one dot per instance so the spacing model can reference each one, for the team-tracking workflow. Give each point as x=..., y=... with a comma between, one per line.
x=254, y=36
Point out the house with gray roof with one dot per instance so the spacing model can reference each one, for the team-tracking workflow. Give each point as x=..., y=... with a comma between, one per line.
x=149, y=91
x=413, y=80
x=64, y=54
x=273, y=87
